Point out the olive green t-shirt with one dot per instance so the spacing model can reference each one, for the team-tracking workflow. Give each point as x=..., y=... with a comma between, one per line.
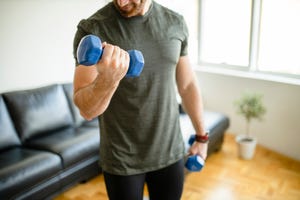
x=140, y=130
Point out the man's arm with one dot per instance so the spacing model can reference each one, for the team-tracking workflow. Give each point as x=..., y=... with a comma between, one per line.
x=189, y=91
x=94, y=86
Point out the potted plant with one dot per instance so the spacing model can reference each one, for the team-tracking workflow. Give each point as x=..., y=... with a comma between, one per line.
x=250, y=106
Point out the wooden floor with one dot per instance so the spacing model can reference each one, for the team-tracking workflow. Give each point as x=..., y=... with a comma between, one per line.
x=268, y=176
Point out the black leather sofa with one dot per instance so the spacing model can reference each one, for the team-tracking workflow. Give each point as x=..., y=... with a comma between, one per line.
x=46, y=146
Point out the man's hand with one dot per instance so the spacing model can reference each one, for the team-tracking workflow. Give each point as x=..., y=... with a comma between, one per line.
x=114, y=64
x=199, y=148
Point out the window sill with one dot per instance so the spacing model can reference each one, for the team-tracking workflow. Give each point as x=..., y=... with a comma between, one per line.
x=247, y=74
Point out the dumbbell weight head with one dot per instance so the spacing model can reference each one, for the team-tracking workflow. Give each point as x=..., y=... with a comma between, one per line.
x=89, y=50
x=136, y=64
x=194, y=163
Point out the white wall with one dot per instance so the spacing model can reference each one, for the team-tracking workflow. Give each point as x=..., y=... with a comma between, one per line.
x=36, y=40
x=280, y=129
x=36, y=49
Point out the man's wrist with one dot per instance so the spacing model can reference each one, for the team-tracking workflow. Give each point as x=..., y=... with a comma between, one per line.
x=202, y=138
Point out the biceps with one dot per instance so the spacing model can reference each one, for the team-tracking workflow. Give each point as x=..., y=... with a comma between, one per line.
x=185, y=75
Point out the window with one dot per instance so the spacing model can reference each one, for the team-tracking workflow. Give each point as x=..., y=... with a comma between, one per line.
x=279, y=47
x=254, y=35
x=225, y=32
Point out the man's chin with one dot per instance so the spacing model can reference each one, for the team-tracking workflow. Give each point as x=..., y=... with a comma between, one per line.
x=129, y=10
x=129, y=13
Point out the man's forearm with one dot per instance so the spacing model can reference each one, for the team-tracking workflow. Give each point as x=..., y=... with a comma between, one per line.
x=93, y=99
x=192, y=103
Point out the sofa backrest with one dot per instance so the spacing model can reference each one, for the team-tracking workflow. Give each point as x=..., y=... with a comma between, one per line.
x=8, y=134
x=37, y=111
x=78, y=119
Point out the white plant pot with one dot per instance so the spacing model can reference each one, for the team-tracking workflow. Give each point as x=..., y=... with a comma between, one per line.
x=246, y=147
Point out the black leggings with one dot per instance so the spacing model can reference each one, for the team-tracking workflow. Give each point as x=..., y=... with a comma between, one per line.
x=163, y=184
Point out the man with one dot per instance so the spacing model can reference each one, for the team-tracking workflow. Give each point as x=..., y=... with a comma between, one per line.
x=141, y=141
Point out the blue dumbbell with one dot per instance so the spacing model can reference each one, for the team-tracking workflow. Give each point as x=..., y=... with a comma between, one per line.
x=89, y=52
x=194, y=163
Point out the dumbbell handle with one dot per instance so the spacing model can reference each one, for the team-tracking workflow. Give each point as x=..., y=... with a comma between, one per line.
x=89, y=52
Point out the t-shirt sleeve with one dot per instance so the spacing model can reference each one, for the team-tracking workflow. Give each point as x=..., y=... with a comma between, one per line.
x=185, y=33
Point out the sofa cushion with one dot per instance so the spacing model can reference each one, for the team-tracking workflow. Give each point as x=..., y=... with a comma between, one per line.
x=68, y=88
x=8, y=134
x=73, y=145
x=79, y=120
x=23, y=169
x=217, y=123
x=215, y=120
x=38, y=111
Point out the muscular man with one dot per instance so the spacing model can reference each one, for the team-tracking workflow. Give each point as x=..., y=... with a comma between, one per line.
x=141, y=140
